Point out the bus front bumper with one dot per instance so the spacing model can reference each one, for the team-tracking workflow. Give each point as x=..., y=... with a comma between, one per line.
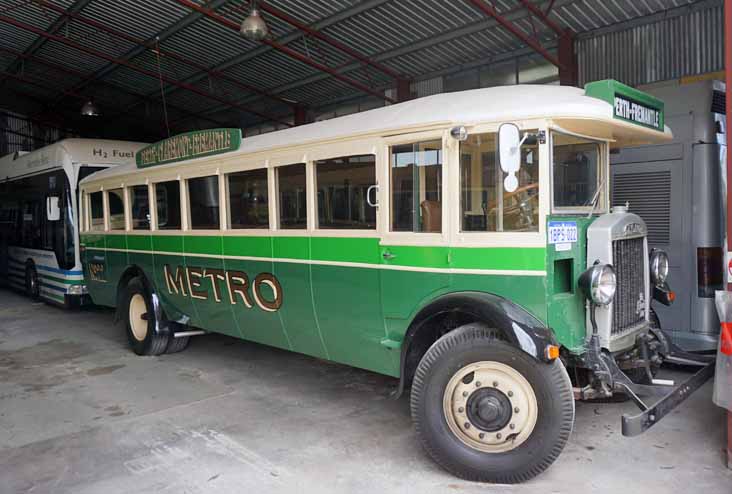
x=657, y=400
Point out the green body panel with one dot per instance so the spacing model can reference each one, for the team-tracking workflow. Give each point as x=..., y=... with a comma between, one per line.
x=340, y=298
x=565, y=304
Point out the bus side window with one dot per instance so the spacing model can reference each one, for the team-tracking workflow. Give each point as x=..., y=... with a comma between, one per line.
x=115, y=199
x=96, y=212
x=484, y=204
x=203, y=193
x=248, y=199
x=292, y=197
x=167, y=196
x=140, y=207
x=342, y=185
x=415, y=176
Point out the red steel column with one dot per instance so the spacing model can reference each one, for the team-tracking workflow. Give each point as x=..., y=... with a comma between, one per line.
x=567, y=59
x=301, y=114
x=403, y=90
x=728, y=135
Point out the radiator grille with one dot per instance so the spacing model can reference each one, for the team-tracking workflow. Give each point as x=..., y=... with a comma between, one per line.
x=629, y=263
x=649, y=196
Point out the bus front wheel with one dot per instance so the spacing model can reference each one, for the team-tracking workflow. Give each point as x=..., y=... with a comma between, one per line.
x=486, y=411
x=140, y=321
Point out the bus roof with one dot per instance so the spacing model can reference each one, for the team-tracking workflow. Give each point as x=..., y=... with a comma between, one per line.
x=567, y=106
x=83, y=151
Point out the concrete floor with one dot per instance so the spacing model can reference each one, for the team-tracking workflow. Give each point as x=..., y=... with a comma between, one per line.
x=81, y=413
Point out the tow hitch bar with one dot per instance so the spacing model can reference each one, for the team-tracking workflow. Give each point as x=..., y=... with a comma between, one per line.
x=656, y=401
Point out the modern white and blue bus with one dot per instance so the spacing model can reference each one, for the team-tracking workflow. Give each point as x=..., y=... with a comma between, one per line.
x=39, y=234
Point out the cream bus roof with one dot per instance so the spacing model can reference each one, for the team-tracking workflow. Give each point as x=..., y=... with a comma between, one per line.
x=569, y=108
x=85, y=151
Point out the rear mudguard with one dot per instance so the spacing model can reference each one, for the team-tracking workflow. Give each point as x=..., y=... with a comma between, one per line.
x=519, y=327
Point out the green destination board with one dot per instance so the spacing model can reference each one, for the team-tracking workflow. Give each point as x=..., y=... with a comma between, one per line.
x=196, y=144
x=628, y=103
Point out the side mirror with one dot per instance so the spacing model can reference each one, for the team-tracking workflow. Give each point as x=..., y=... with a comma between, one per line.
x=53, y=210
x=509, y=154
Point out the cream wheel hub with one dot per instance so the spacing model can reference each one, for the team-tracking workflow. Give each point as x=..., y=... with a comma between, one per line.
x=490, y=407
x=138, y=321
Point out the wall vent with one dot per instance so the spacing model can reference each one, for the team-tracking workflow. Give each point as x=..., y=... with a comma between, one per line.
x=649, y=195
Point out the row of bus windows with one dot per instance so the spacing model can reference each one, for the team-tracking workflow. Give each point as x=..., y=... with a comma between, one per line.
x=346, y=194
x=342, y=183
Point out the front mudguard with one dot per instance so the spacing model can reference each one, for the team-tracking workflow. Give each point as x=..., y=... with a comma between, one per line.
x=518, y=326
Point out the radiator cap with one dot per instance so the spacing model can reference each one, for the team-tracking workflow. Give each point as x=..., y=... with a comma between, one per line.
x=620, y=209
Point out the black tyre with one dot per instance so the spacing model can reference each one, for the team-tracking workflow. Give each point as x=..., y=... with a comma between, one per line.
x=140, y=321
x=176, y=345
x=486, y=411
x=32, y=283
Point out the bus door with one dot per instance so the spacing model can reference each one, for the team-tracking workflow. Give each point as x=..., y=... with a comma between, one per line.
x=414, y=251
x=345, y=253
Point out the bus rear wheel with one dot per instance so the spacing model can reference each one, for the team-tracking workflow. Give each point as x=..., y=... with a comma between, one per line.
x=486, y=411
x=140, y=321
x=32, y=284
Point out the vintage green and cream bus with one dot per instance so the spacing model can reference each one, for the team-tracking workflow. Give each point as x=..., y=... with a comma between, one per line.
x=463, y=243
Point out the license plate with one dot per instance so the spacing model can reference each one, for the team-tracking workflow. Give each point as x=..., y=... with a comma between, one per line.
x=562, y=232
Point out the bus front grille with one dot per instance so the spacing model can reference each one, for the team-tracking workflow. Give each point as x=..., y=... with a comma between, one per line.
x=630, y=297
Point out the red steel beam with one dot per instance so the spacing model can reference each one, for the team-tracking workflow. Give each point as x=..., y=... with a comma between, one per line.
x=288, y=51
x=214, y=73
x=134, y=67
x=509, y=26
x=327, y=39
x=76, y=73
x=543, y=16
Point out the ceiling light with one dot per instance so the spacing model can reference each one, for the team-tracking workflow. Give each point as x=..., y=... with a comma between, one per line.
x=89, y=109
x=254, y=27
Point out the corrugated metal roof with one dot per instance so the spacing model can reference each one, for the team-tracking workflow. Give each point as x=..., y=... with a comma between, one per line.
x=415, y=38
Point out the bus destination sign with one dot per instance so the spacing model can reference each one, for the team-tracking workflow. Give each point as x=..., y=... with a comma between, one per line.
x=628, y=103
x=196, y=144
x=628, y=109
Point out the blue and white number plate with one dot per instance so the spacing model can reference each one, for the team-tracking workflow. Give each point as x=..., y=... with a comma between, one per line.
x=562, y=232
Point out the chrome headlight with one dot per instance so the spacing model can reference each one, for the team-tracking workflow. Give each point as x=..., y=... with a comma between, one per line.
x=599, y=284
x=659, y=266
